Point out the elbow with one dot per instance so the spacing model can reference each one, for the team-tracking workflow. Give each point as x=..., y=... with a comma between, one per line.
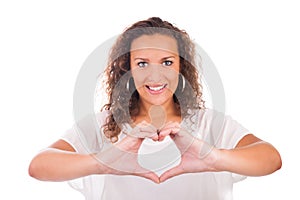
x=33, y=169
x=278, y=161
x=275, y=161
x=271, y=160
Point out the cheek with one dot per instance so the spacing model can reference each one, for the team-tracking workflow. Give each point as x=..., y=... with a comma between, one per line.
x=172, y=77
x=139, y=78
x=174, y=82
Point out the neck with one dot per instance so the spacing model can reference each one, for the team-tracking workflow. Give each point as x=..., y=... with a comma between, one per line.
x=158, y=115
x=168, y=108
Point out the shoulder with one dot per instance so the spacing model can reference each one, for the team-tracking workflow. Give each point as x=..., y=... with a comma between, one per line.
x=215, y=118
x=102, y=116
x=207, y=115
x=203, y=120
x=89, y=119
x=218, y=128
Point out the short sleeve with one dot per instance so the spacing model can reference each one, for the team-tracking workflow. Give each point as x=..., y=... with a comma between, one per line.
x=89, y=186
x=86, y=135
x=84, y=138
x=233, y=132
x=72, y=138
x=221, y=131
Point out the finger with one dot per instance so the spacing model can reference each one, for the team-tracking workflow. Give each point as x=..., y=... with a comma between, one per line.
x=145, y=173
x=144, y=130
x=183, y=140
x=155, y=137
x=175, y=126
x=170, y=173
x=148, y=133
x=168, y=131
x=152, y=136
x=151, y=176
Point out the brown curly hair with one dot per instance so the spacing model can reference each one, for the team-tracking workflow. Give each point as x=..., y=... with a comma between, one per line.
x=118, y=74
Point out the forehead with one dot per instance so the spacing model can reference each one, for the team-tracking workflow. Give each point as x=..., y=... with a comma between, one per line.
x=156, y=41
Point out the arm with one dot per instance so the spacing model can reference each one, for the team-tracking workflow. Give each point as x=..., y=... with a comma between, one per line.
x=60, y=162
x=251, y=157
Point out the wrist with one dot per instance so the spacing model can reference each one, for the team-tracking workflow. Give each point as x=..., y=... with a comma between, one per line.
x=211, y=157
x=214, y=160
x=221, y=160
x=96, y=165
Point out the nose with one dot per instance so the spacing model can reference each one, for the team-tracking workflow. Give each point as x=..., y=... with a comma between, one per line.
x=155, y=73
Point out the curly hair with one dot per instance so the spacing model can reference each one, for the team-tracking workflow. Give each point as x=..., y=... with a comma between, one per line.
x=118, y=74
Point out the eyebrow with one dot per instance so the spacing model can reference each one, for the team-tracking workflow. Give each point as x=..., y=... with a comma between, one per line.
x=164, y=58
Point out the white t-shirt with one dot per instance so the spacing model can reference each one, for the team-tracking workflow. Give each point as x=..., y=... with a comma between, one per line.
x=212, y=127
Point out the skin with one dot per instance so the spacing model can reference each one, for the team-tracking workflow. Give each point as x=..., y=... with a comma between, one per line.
x=155, y=62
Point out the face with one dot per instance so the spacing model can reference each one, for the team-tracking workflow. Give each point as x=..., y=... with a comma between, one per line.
x=154, y=64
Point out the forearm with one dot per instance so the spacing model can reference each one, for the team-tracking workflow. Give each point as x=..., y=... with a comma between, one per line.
x=257, y=159
x=57, y=165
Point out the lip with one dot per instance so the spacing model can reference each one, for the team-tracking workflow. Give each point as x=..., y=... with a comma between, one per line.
x=156, y=89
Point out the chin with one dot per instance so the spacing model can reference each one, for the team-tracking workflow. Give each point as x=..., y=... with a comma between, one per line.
x=158, y=102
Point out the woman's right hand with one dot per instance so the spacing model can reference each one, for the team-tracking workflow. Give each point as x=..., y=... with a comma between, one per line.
x=122, y=158
x=60, y=162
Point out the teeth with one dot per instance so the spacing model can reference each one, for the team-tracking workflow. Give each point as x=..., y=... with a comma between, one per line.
x=156, y=88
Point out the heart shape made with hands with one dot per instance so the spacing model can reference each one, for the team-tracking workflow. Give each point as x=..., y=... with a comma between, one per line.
x=172, y=150
x=158, y=160
x=159, y=156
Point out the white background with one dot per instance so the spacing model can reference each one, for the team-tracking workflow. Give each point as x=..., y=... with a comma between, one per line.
x=254, y=45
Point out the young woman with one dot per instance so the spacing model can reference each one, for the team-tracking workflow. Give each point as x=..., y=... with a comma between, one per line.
x=160, y=142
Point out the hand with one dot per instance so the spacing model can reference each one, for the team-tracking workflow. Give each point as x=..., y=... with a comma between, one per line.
x=121, y=158
x=196, y=155
x=143, y=130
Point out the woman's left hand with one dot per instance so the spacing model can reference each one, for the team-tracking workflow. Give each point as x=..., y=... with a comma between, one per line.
x=196, y=155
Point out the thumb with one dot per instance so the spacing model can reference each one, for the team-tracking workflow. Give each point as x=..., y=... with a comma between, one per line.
x=171, y=173
x=145, y=173
x=151, y=176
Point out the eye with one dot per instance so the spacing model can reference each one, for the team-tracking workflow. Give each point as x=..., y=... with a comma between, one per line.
x=167, y=63
x=142, y=64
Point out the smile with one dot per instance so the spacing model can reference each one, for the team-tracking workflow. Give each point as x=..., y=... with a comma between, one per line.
x=156, y=89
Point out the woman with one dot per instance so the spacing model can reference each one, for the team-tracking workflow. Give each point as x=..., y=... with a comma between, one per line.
x=160, y=141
